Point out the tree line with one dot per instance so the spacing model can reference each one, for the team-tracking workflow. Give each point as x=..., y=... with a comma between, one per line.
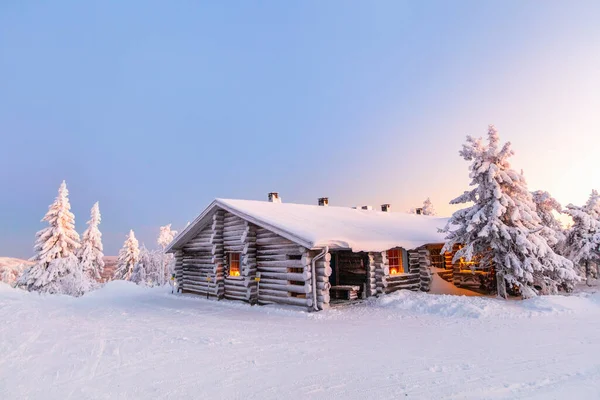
x=67, y=264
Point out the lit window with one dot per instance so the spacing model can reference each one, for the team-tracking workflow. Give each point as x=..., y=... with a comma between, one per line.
x=234, y=264
x=395, y=261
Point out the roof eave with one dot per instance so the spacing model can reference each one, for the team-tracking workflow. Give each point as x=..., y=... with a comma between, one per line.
x=201, y=221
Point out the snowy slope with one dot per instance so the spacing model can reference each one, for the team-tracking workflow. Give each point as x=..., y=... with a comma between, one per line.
x=125, y=342
x=11, y=268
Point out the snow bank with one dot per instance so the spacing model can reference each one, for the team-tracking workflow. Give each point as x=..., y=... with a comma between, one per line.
x=485, y=307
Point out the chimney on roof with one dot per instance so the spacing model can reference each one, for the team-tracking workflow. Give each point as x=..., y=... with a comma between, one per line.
x=274, y=197
x=367, y=208
x=386, y=207
x=419, y=211
x=324, y=201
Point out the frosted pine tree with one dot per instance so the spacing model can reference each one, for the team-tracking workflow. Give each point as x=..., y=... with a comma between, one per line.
x=90, y=253
x=129, y=256
x=582, y=244
x=546, y=207
x=502, y=229
x=57, y=241
x=428, y=207
x=149, y=268
x=165, y=237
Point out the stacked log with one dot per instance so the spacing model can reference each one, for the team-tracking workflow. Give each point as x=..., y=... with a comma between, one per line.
x=197, y=267
x=179, y=268
x=410, y=280
x=424, y=269
x=285, y=271
x=323, y=270
x=413, y=261
x=218, y=251
x=448, y=260
x=407, y=281
x=382, y=270
x=371, y=274
x=239, y=236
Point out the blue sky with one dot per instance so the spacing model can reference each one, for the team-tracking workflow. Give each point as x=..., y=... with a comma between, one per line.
x=155, y=108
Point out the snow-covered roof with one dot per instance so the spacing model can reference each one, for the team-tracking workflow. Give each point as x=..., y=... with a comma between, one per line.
x=319, y=226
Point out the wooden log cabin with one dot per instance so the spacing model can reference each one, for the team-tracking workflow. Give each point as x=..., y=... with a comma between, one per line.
x=270, y=252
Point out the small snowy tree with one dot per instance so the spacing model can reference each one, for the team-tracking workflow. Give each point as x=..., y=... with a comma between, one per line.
x=428, y=207
x=149, y=268
x=502, y=228
x=129, y=256
x=165, y=237
x=582, y=242
x=57, y=241
x=90, y=253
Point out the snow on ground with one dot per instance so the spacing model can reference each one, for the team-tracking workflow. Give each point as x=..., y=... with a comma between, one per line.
x=129, y=342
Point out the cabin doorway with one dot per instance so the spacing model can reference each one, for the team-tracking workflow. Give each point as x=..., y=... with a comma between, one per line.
x=348, y=277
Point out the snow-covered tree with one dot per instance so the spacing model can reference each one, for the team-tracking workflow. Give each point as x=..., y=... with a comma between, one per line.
x=502, y=228
x=55, y=247
x=428, y=207
x=90, y=253
x=59, y=239
x=582, y=242
x=546, y=207
x=165, y=237
x=129, y=256
x=149, y=268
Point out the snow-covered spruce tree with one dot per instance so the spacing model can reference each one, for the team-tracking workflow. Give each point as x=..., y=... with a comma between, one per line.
x=582, y=244
x=90, y=253
x=129, y=256
x=165, y=237
x=149, y=268
x=428, y=207
x=57, y=241
x=502, y=228
x=545, y=206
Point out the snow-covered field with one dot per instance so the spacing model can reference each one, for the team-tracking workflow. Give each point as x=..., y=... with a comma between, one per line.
x=128, y=342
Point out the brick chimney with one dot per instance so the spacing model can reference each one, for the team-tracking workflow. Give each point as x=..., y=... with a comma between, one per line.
x=274, y=197
x=324, y=201
x=386, y=207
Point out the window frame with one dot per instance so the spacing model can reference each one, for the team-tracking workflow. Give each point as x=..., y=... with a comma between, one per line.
x=396, y=254
x=230, y=256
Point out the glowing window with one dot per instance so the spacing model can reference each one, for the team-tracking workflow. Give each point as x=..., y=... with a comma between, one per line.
x=234, y=264
x=395, y=261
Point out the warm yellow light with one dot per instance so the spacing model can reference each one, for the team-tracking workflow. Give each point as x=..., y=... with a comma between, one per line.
x=235, y=273
x=394, y=271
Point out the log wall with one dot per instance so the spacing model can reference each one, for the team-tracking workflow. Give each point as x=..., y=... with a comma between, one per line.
x=285, y=272
x=239, y=236
x=416, y=277
x=199, y=265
